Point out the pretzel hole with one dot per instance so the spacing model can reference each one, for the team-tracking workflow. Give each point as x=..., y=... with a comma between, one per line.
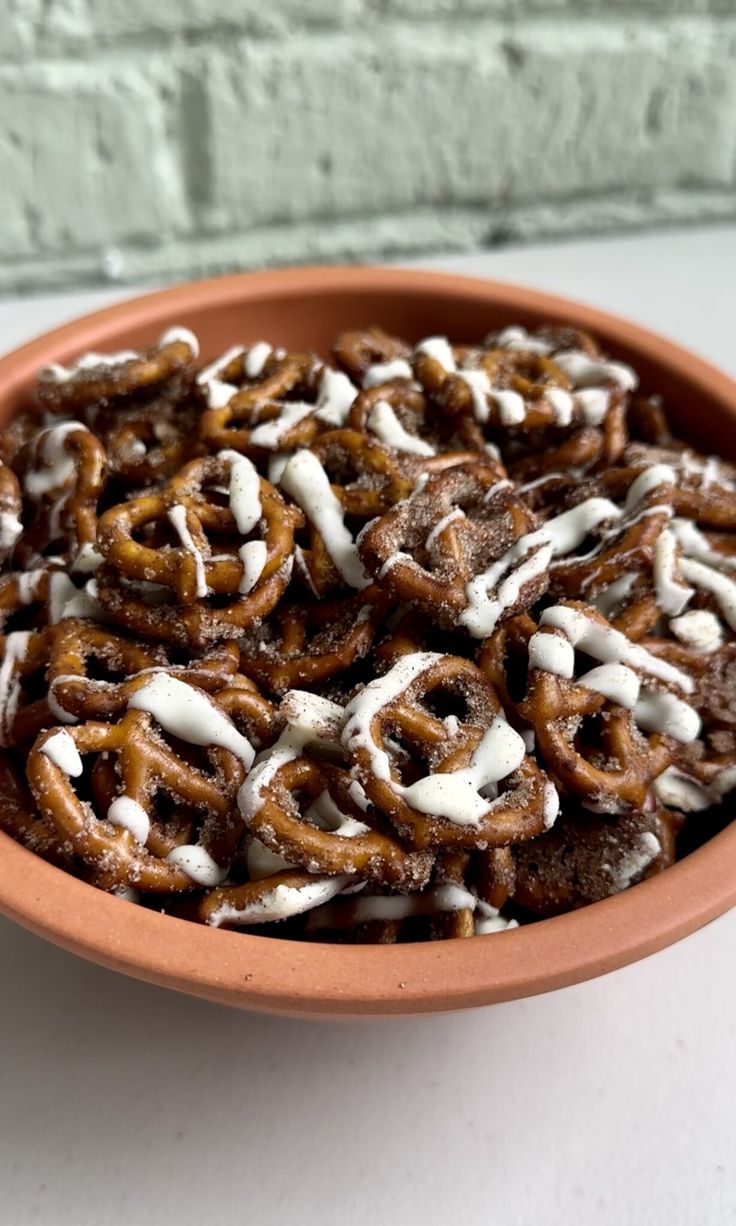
x=591, y=741
x=445, y=702
x=22, y=619
x=101, y=667
x=409, y=760
x=516, y=672
x=354, y=523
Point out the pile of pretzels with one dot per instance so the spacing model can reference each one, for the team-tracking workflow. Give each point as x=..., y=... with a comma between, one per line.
x=408, y=641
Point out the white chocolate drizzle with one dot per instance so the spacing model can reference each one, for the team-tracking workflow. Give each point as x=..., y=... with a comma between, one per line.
x=60, y=749
x=385, y=372
x=217, y=392
x=281, y=902
x=454, y=795
x=498, y=588
x=306, y=481
x=617, y=677
x=190, y=715
x=255, y=359
x=54, y=372
x=198, y=864
x=632, y=863
x=58, y=465
x=335, y=397
x=15, y=650
x=309, y=720
x=10, y=530
x=178, y=519
x=130, y=815
x=386, y=426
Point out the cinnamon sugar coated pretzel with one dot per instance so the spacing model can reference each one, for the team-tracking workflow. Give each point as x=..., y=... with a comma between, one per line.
x=406, y=641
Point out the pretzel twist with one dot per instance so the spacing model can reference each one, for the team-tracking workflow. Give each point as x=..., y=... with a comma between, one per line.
x=146, y=765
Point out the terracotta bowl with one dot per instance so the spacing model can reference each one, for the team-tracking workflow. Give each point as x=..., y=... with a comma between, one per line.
x=307, y=307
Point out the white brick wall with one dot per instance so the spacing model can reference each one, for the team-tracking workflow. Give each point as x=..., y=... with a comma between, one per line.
x=201, y=135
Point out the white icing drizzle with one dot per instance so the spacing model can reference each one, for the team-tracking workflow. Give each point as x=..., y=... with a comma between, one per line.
x=269, y=434
x=721, y=586
x=59, y=466
x=127, y=813
x=517, y=338
x=326, y=814
x=61, y=750
x=335, y=397
x=614, y=681
x=217, y=392
x=198, y=864
x=553, y=653
x=551, y=804
x=10, y=530
x=360, y=713
x=611, y=646
x=616, y=678
x=440, y=350
x=495, y=590
x=253, y=555
x=678, y=790
x=15, y=650
x=309, y=719
x=306, y=481
x=244, y=491
x=700, y=629
x=695, y=545
x=181, y=336
x=658, y=711
x=487, y=924
x=705, y=474
x=454, y=795
x=649, y=479
x=29, y=585
x=66, y=600
x=562, y=404
x=386, y=426
x=633, y=862
x=511, y=405
x=255, y=359
x=178, y=518
x=447, y=898
x=585, y=371
x=88, y=560
x=262, y=862
x=588, y=398
x=593, y=403
x=281, y=902
x=385, y=372
x=189, y=714
x=452, y=516
x=276, y=465
x=613, y=596
x=54, y=372
x=672, y=595
x=357, y=794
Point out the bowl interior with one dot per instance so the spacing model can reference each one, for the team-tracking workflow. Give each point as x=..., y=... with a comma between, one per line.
x=306, y=309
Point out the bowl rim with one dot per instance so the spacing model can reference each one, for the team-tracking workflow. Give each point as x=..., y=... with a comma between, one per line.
x=313, y=979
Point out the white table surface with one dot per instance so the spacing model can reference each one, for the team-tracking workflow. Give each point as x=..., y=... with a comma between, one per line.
x=611, y=1103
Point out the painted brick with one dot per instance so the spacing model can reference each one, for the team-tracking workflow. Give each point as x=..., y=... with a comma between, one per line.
x=123, y=19
x=86, y=158
x=18, y=19
x=143, y=139
x=332, y=127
